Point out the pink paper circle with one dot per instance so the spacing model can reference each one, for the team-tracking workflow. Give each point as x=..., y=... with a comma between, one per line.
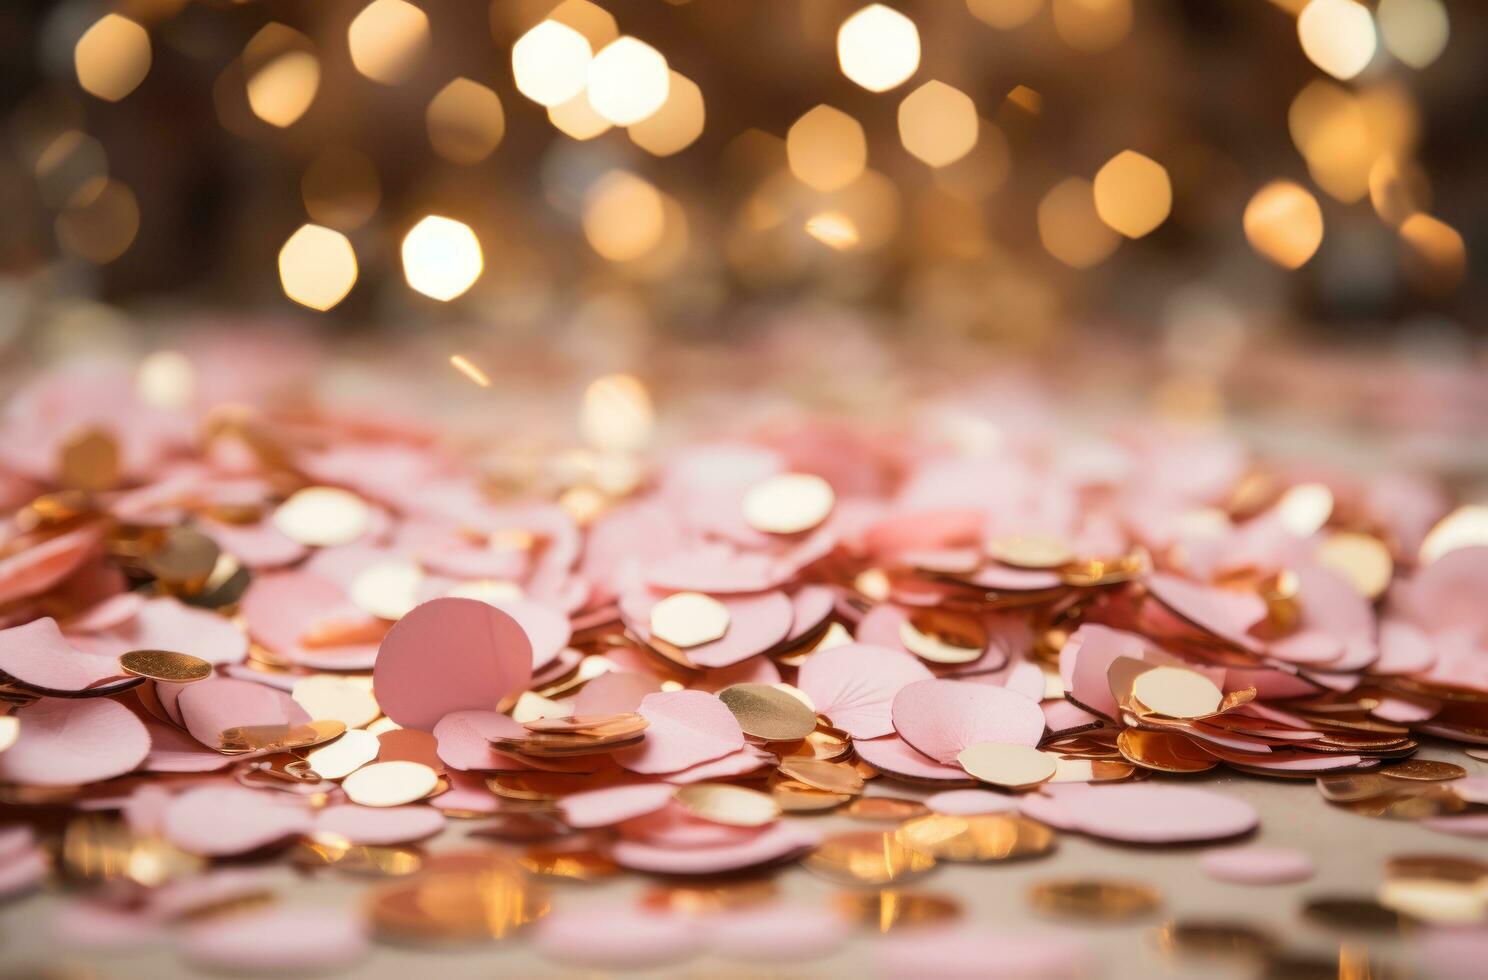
x=617, y=938
x=37, y=655
x=66, y=742
x=279, y=940
x=380, y=825
x=1257, y=865
x=772, y=843
x=683, y=729
x=1151, y=813
x=940, y=717
x=613, y=804
x=222, y=820
x=447, y=655
x=779, y=933
x=977, y=954
x=964, y=802
x=854, y=685
x=211, y=706
x=893, y=756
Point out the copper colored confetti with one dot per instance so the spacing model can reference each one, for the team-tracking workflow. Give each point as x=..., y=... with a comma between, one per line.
x=1093, y=899
x=868, y=858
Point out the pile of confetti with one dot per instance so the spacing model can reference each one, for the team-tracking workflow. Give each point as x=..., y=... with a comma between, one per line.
x=234, y=635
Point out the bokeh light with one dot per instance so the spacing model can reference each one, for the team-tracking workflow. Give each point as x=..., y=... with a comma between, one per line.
x=833, y=229
x=615, y=415
x=100, y=221
x=938, y=123
x=388, y=40
x=1284, y=223
x=283, y=74
x=1434, y=255
x=577, y=119
x=826, y=149
x=340, y=188
x=112, y=57
x=1070, y=228
x=878, y=48
x=597, y=24
x=1415, y=31
x=1092, y=26
x=624, y=216
x=1133, y=193
x=1004, y=14
x=317, y=267
x=677, y=124
x=465, y=121
x=628, y=81
x=1338, y=36
x=550, y=63
x=441, y=257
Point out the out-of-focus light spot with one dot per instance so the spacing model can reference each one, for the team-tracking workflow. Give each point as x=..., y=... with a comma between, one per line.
x=441, y=257
x=1435, y=257
x=623, y=216
x=1337, y=36
x=465, y=121
x=317, y=267
x=982, y=171
x=464, y=365
x=833, y=229
x=871, y=203
x=388, y=39
x=100, y=221
x=1341, y=133
x=1004, y=14
x=1415, y=31
x=67, y=162
x=1133, y=194
x=591, y=20
x=1305, y=508
x=550, y=63
x=112, y=57
x=166, y=379
x=878, y=48
x=1397, y=189
x=577, y=119
x=938, y=123
x=615, y=415
x=826, y=149
x=628, y=81
x=1284, y=223
x=1092, y=25
x=1027, y=99
x=677, y=124
x=340, y=188
x=283, y=74
x=1070, y=228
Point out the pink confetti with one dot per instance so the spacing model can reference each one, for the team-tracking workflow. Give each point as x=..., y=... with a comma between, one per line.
x=1257, y=865
x=684, y=729
x=66, y=742
x=614, y=804
x=964, y=802
x=278, y=940
x=224, y=820
x=777, y=934
x=379, y=825
x=940, y=718
x=448, y=655
x=38, y=656
x=619, y=939
x=775, y=842
x=854, y=685
x=1155, y=814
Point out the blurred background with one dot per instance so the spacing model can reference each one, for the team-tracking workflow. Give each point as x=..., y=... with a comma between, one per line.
x=1189, y=175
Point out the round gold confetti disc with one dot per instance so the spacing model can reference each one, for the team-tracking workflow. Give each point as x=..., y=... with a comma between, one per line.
x=789, y=503
x=390, y=783
x=456, y=906
x=88, y=460
x=1423, y=770
x=689, y=619
x=831, y=777
x=1093, y=899
x=793, y=796
x=379, y=861
x=10, y=730
x=890, y=909
x=277, y=738
x=1162, y=751
x=183, y=557
x=724, y=803
x=1177, y=693
x=867, y=858
x=568, y=863
x=977, y=837
x=1011, y=766
x=1203, y=937
x=1031, y=551
x=344, y=756
x=1362, y=560
x=388, y=590
x=165, y=665
x=323, y=516
x=1353, y=914
x=887, y=808
x=1351, y=787
x=943, y=636
x=343, y=699
x=765, y=711
x=1465, y=527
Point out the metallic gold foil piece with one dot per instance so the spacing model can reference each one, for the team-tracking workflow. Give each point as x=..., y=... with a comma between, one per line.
x=1031, y=551
x=344, y=756
x=88, y=460
x=459, y=907
x=570, y=864
x=1009, y=766
x=390, y=783
x=1176, y=692
x=1423, y=770
x=1093, y=899
x=892, y=910
x=789, y=503
x=830, y=777
x=885, y=808
x=765, y=711
x=323, y=516
x=943, y=636
x=981, y=837
x=689, y=619
x=165, y=665
x=348, y=700
x=1362, y=560
x=867, y=858
x=793, y=796
x=1162, y=751
x=736, y=806
x=277, y=738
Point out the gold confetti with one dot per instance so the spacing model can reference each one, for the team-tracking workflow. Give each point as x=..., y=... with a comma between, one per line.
x=390, y=783
x=164, y=665
x=978, y=837
x=867, y=858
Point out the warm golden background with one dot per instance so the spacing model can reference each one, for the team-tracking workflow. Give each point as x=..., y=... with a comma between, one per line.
x=1197, y=172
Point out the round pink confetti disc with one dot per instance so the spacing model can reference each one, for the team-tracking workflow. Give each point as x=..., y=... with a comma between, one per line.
x=217, y=821
x=211, y=706
x=547, y=629
x=940, y=717
x=447, y=655
x=616, y=938
x=976, y=954
x=684, y=728
x=775, y=842
x=854, y=685
x=965, y=802
x=778, y=933
x=38, y=656
x=66, y=742
x=380, y=825
x=1257, y=865
x=613, y=804
x=1149, y=813
x=293, y=941
x=896, y=757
